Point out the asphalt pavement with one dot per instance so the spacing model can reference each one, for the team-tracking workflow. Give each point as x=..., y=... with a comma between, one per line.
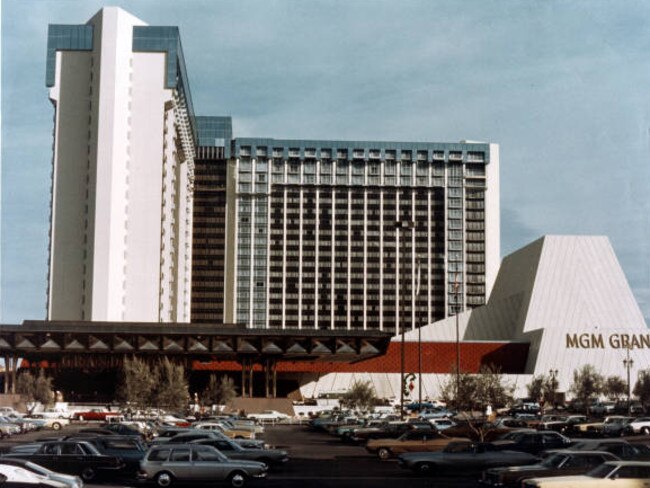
x=317, y=460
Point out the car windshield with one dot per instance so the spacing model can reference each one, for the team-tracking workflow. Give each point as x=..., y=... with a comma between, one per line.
x=554, y=461
x=601, y=471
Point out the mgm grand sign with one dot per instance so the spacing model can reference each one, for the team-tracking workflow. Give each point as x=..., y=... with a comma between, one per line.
x=613, y=341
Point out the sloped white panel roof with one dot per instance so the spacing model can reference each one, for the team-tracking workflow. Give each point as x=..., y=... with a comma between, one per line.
x=555, y=289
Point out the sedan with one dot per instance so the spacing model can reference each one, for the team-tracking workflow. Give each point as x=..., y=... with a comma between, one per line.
x=271, y=457
x=72, y=457
x=414, y=441
x=168, y=464
x=560, y=463
x=463, y=457
x=617, y=474
x=65, y=479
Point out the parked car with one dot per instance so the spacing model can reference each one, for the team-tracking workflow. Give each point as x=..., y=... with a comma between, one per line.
x=602, y=408
x=128, y=448
x=168, y=464
x=619, y=447
x=50, y=422
x=78, y=458
x=635, y=407
x=597, y=429
x=617, y=428
x=442, y=424
x=561, y=463
x=66, y=480
x=269, y=416
x=463, y=456
x=415, y=440
x=387, y=430
x=192, y=435
x=15, y=476
x=436, y=413
x=122, y=429
x=229, y=432
x=613, y=474
x=94, y=414
x=270, y=457
x=534, y=442
x=639, y=426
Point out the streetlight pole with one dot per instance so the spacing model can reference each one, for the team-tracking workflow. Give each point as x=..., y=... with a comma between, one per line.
x=419, y=326
x=457, y=296
x=628, y=363
x=402, y=225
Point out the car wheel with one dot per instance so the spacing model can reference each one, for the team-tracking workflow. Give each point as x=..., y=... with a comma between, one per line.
x=164, y=479
x=384, y=453
x=88, y=474
x=56, y=426
x=645, y=431
x=237, y=479
x=424, y=468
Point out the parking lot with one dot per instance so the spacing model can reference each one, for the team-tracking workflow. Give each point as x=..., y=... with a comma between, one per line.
x=317, y=460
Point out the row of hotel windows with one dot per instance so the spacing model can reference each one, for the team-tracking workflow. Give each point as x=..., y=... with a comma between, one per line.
x=389, y=154
x=343, y=167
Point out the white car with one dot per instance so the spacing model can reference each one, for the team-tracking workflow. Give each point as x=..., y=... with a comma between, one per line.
x=442, y=424
x=15, y=474
x=66, y=479
x=614, y=474
x=54, y=423
x=640, y=425
x=269, y=416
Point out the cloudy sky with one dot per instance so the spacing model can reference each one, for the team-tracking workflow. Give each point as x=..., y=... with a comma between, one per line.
x=563, y=87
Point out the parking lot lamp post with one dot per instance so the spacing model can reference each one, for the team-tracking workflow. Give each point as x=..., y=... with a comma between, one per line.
x=402, y=225
x=457, y=300
x=628, y=363
x=419, y=326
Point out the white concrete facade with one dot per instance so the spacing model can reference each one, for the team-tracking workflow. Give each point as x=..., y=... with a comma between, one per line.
x=122, y=183
x=566, y=296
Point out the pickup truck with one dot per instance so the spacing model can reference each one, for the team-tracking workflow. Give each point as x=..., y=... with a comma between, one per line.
x=94, y=414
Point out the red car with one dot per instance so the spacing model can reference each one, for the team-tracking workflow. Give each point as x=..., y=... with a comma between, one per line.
x=94, y=414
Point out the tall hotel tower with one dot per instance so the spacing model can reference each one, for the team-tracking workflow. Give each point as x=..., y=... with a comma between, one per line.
x=362, y=235
x=160, y=215
x=121, y=223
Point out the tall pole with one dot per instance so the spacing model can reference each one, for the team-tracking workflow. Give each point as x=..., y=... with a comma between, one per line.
x=628, y=363
x=419, y=325
x=457, y=295
x=401, y=324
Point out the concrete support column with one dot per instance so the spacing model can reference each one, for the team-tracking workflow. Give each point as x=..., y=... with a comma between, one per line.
x=270, y=378
x=6, y=376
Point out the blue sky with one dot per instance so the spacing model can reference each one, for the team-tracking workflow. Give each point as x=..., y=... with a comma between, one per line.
x=563, y=87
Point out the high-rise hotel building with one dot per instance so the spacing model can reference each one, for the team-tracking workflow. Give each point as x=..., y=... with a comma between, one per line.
x=161, y=215
x=123, y=157
x=367, y=235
